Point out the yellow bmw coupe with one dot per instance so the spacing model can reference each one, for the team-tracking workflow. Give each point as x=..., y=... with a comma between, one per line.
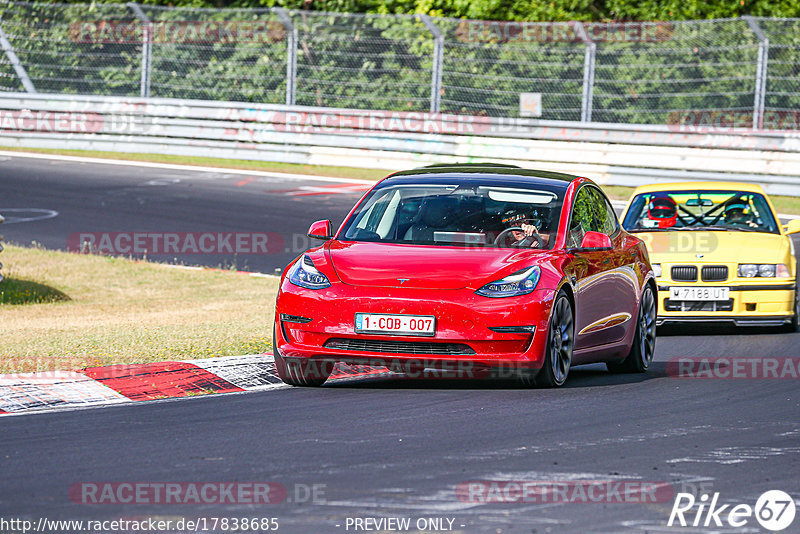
x=719, y=253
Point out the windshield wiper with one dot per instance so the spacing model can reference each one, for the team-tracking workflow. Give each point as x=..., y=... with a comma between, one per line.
x=733, y=228
x=700, y=228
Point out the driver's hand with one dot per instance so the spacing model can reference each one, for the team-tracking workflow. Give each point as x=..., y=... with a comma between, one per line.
x=529, y=229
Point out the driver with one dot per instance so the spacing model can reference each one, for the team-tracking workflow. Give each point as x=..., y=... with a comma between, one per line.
x=662, y=212
x=737, y=213
x=523, y=232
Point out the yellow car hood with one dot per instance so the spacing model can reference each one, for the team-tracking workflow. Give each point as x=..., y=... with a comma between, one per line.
x=681, y=246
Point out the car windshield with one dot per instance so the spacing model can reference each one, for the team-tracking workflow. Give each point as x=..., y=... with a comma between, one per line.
x=700, y=210
x=474, y=214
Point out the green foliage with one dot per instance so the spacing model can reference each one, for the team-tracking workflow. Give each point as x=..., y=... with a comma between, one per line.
x=369, y=60
x=531, y=10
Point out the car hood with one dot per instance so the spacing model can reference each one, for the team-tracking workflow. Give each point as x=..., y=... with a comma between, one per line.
x=715, y=247
x=422, y=266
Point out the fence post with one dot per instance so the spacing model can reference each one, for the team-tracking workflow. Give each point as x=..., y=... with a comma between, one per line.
x=291, y=54
x=438, y=63
x=16, y=63
x=588, y=73
x=761, y=73
x=147, y=48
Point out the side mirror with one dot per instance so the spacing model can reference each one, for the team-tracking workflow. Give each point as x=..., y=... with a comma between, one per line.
x=320, y=230
x=792, y=227
x=594, y=241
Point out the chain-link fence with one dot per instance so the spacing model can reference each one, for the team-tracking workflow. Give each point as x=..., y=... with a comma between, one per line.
x=648, y=73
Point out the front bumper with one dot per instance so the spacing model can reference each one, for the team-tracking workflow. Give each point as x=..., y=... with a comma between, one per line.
x=462, y=334
x=762, y=304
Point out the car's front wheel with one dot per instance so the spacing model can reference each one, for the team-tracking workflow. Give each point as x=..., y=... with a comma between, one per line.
x=644, y=340
x=300, y=372
x=560, y=343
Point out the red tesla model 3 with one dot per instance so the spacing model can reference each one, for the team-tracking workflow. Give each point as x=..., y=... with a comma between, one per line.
x=476, y=269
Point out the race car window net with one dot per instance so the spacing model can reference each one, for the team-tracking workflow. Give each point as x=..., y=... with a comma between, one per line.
x=471, y=214
x=700, y=210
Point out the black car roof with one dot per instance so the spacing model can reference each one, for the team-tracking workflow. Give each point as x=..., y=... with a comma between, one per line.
x=484, y=172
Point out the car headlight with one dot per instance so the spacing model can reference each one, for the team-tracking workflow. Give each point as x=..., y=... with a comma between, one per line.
x=520, y=283
x=763, y=270
x=656, y=269
x=304, y=274
x=748, y=270
x=766, y=271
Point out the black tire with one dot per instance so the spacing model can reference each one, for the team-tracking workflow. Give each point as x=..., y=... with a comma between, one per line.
x=301, y=372
x=644, y=340
x=560, y=344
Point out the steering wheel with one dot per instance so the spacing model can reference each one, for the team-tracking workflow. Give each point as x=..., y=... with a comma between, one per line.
x=526, y=242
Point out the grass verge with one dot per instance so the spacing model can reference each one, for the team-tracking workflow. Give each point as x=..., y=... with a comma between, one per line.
x=65, y=311
x=784, y=204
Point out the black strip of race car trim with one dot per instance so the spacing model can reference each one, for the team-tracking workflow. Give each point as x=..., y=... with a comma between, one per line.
x=295, y=319
x=737, y=320
x=787, y=287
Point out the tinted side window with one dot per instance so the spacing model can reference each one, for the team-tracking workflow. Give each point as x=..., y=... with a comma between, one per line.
x=606, y=216
x=582, y=218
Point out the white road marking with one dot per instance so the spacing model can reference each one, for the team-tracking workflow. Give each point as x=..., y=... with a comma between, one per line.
x=195, y=168
x=651, y=527
x=43, y=214
x=736, y=455
x=163, y=181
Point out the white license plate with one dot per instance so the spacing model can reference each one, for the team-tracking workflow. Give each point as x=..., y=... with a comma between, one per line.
x=699, y=293
x=407, y=325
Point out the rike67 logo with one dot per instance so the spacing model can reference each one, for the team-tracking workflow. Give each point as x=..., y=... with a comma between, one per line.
x=774, y=510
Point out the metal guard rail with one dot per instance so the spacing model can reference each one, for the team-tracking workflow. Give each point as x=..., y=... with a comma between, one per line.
x=612, y=154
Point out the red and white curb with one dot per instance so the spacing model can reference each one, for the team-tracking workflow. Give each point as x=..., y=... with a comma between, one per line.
x=117, y=384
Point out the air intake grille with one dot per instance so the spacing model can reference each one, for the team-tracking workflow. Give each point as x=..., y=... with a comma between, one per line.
x=684, y=273
x=398, y=347
x=714, y=273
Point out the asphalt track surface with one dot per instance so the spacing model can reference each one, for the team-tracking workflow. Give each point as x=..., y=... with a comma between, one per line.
x=378, y=447
x=112, y=199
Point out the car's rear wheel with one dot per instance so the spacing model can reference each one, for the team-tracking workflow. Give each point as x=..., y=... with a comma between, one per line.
x=300, y=372
x=644, y=340
x=560, y=343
